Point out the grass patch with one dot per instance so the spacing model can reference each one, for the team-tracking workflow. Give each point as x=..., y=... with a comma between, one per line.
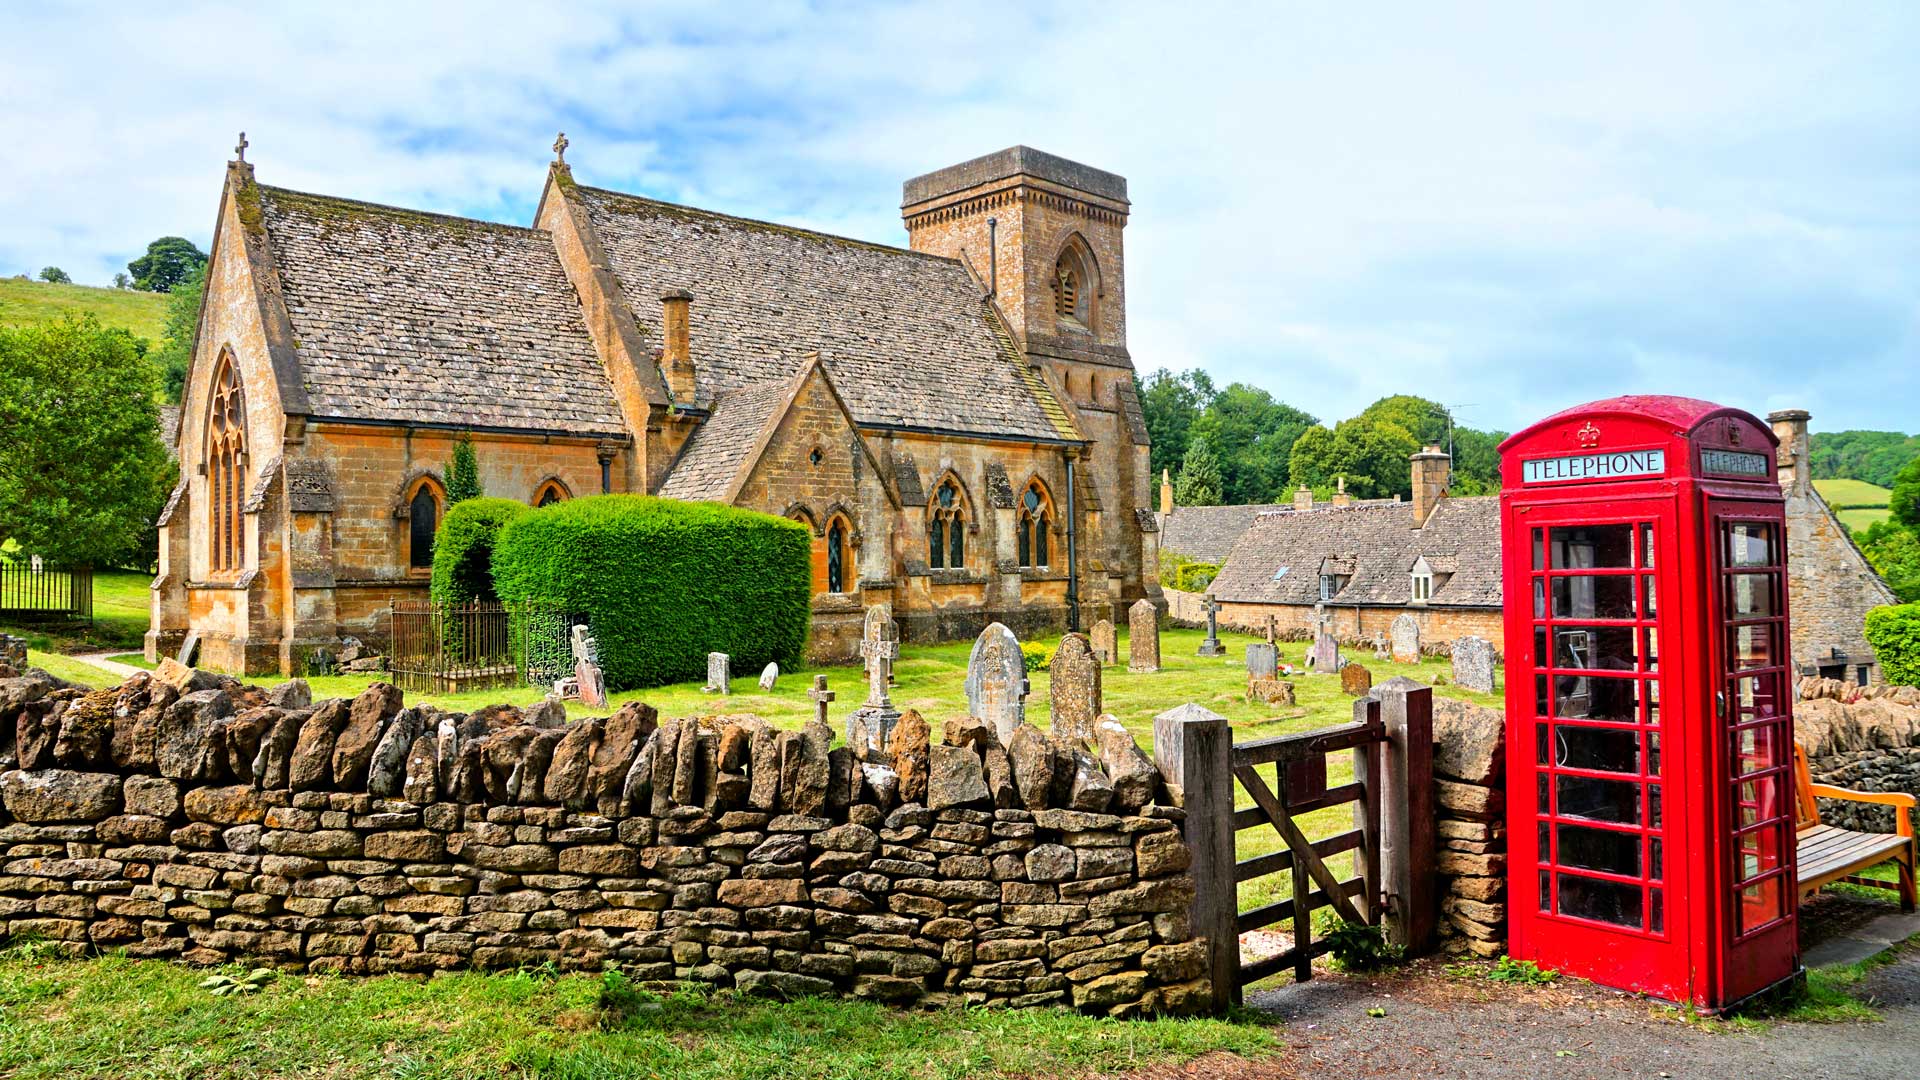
x=120, y=616
x=1845, y=494
x=74, y=671
x=117, y=1017
x=134, y=659
x=33, y=303
x=1862, y=518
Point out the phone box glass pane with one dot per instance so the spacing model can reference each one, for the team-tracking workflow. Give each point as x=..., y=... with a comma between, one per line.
x=1602, y=901
x=1759, y=904
x=1752, y=646
x=1605, y=648
x=1599, y=800
x=1758, y=800
x=1586, y=848
x=1593, y=597
x=1750, y=596
x=1596, y=697
x=1761, y=851
x=1599, y=749
x=1749, y=543
x=1592, y=547
x=1757, y=749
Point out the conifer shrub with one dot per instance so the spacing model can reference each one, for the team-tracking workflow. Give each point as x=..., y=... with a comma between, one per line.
x=664, y=582
x=463, y=549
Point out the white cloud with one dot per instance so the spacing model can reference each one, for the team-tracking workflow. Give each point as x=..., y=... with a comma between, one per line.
x=1514, y=205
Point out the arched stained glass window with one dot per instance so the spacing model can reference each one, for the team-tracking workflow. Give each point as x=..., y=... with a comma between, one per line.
x=423, y=521
x=226, y=467
x=1036, y=519
x=837, y=559
x=947, y=528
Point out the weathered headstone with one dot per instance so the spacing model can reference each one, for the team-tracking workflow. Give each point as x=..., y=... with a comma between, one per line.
x=189, y=648
x=1143, y=636
x=1073, y=691
x=1355, y=680
x=1263, y=660
x=1405, y=633
x=1473, y=667
x=1323, y=657
x=880, y=645
x=1270, y=690
x=591, y=682
x=1211, y=645
x=997, y=680
x=1106, y=642
x=719, y=673
x=769, y=676
x=1381, y=650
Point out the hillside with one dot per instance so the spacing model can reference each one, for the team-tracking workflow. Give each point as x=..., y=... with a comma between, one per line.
x=1846, y=494
x=29, y=303
x=1873, y=456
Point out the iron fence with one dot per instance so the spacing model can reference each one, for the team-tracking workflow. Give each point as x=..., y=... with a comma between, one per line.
x=45, y=592
x=479, y=646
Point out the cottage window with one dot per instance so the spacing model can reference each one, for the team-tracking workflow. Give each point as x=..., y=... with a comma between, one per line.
x=1331, y=584
x=1036, y=519
x=423, y=522
x=1422, y=587
x=226, y=467
x=947, y=528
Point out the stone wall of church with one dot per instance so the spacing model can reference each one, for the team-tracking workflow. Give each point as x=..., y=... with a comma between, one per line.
x=191, y=817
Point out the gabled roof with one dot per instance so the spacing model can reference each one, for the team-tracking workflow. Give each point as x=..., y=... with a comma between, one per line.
x=723, y=445
x=1376, y=544
x=913, y=342
x=402, y=316
x=1208, y=533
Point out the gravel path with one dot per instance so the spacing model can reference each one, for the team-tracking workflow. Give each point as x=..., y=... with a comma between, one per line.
x=1438, y=1026
x=113, y=667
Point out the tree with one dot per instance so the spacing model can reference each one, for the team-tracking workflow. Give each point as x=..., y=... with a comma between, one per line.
x=1894, y=552
x=175, y=354
x=1199, y=481
x=122, y=281
x=82, y=473
x=1371, y=454
x=1172, y=404
x=1252, y=434
x=1905, y=503
x=55, y=275
x=463, y=472
x=1873, y=456
x=168, y=262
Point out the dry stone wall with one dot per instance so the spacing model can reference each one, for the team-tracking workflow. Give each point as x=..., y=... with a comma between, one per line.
x=1862, y=737
x=189, y=816
x=1469, y=766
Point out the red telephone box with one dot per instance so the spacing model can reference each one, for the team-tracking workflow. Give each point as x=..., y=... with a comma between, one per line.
x=1649, y=700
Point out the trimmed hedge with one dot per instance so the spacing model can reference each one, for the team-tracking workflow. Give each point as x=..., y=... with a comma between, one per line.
x=463, y=549
x=664, y=582
x=1894, y=633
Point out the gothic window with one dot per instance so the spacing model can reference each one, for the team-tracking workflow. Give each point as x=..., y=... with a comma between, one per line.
x=226, y=467
x=947, y=527
x=550, y=492
x=423, y=521
x=1036, y=522
x=839, y=556
x=1072, y=299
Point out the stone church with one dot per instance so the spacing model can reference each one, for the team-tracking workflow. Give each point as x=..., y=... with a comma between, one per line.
x=954, y=420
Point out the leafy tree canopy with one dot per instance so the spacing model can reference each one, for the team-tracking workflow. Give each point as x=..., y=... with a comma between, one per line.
x=55, y=275
x=1894, y=551
x=1874, y=456
x=1370, y=453
x=1171, y=404
x=175, y=353
x=1905, y=503
x=1199, y=480
x=463, y=472
x=82, y=473
x=168, y=262
x=1251, y=434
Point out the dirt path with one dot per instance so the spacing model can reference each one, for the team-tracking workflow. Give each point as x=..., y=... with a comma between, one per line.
x=112, y=667
x=1439, y=1026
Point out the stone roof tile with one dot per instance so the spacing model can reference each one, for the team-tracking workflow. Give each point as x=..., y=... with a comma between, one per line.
x=1375, y=543
x=706, y=468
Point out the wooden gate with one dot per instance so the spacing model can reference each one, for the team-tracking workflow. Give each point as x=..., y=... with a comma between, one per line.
x=1392, y=838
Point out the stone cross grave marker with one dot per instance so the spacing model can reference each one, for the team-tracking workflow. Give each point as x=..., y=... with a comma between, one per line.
x=1473, y=667
x=1143, y=636
x=719, y=673
x=1263, y=660
x=590, y=681
x=997, y=683
x=1381, y=650
x=1074, y=691
x=879, y=646
x=821, y=697
x=1273, y=629
x=1324, y=657
x=1105, y=641
x=1405, y=632
x=1211, y=646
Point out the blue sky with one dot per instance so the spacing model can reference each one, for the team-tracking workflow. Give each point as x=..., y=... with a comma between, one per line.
x=1510, y=208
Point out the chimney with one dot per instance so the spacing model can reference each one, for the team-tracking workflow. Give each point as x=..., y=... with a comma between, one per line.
x=1303, y=498
x=1166, y=492
x=1794, y=469
x=1431, y=467
x=677, y=361
x=1340, y=496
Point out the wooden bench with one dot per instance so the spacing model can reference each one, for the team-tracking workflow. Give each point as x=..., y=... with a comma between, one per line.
x=1826, y=854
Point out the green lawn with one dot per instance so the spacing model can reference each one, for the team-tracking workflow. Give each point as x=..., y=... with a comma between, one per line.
x=1841, y=494
x=1862, y=518
x=120, y=615
x=114, y=1017
x=30, y=303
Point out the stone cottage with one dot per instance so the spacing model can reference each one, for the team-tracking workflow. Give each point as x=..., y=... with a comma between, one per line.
x=955, y=420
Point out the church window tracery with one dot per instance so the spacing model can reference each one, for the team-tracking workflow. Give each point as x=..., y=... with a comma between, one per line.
x=226, y=467
x=947, y=527
x=1036, y=520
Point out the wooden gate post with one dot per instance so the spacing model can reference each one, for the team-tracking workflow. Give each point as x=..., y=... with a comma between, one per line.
x=1193, y=746
x=1407, y=844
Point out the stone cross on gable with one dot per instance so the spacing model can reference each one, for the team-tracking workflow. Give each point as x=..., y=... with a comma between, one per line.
x=240, y=150
x=880, y=650
x=560, y=148
x=820, y=696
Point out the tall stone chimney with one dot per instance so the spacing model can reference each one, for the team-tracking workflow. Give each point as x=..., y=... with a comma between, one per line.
x=676, y=362
x=1303, y=498
x=1792, y=462
x=1431, y=467
x=1166, y=492
x=1340, y=496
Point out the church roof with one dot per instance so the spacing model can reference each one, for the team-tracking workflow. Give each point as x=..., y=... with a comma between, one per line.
x=914, y=345
x=400, y=315
x=1376, y=544
x=712, y=458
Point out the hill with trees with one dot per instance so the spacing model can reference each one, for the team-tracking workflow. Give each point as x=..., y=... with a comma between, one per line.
x=1873, y=456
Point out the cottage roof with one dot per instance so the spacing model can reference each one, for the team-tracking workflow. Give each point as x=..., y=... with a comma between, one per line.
x=1207, y=533
x=913, y=342
x=1376, y=544
x=400, y=315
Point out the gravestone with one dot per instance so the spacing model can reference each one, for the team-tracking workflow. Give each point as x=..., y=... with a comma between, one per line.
x=1073, y=691
x=1405, y=633
x=1473, y=667
x=1270, y=691
x=590, y=682
x=719, y=673
x=879, y=645
x=1355, y=680
x=1211, y=645
x=1106, y=642
x=997, y=681
x=1143, y=637
x=189, y=648
x=769, y=677
x=821, y=698
x=1381, y=650
x=1273, y=629
x=1263, y=660
x=1323, y=657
